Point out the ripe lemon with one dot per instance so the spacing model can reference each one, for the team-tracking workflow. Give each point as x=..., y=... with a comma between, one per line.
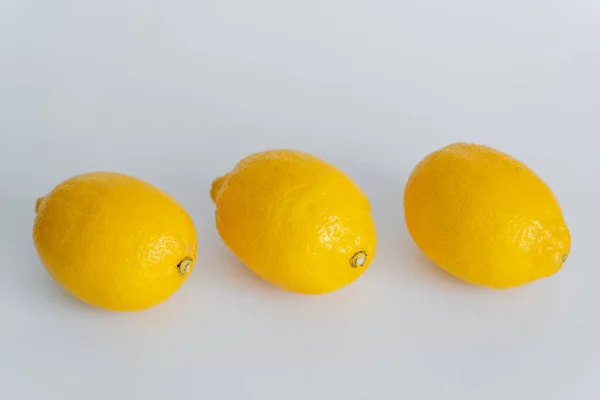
x=485, y=217
x=295, y=220
x=114, y=241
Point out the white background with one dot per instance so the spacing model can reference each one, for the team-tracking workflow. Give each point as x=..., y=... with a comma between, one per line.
x=175, y=92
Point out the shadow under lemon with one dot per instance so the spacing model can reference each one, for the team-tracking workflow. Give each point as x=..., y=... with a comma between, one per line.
x=398, y=257
x=29, y=285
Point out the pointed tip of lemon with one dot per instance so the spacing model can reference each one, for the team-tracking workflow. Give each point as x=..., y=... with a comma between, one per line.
x=38, y=203
x=216, y=187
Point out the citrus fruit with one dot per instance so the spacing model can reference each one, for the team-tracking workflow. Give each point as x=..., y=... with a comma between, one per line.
x=295, y=220
x=485, y=217
x=114, y=241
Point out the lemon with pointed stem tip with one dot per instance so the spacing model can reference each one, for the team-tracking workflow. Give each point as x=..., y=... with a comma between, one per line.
x=295, y=220
x=485, y=217
x=114, y=241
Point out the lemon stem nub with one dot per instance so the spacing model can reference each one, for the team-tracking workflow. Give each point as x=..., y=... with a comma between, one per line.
x=185, y=265
x=38, y=203
x=216, y=187
x=358, y=260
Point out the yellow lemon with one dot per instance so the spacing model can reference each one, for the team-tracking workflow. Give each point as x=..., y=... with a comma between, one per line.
x=485, y=217
x=114, y=241
x=295, y=220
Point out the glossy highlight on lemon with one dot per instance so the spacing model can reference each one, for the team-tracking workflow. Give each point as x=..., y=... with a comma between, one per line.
x=295, y=220
x=485, y=217
x=114, y=241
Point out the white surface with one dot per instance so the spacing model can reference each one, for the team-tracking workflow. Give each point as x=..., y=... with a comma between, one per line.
x=175, y=92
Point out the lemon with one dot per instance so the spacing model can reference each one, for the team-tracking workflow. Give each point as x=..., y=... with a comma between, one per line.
x=485, y=217
x=114, y=241
x=295, y=220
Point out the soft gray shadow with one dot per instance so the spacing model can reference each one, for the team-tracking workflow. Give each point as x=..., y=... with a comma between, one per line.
x=398, y=258
x=215, y=263
x=230, y=272
x=60, y=300
x=25, y=281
